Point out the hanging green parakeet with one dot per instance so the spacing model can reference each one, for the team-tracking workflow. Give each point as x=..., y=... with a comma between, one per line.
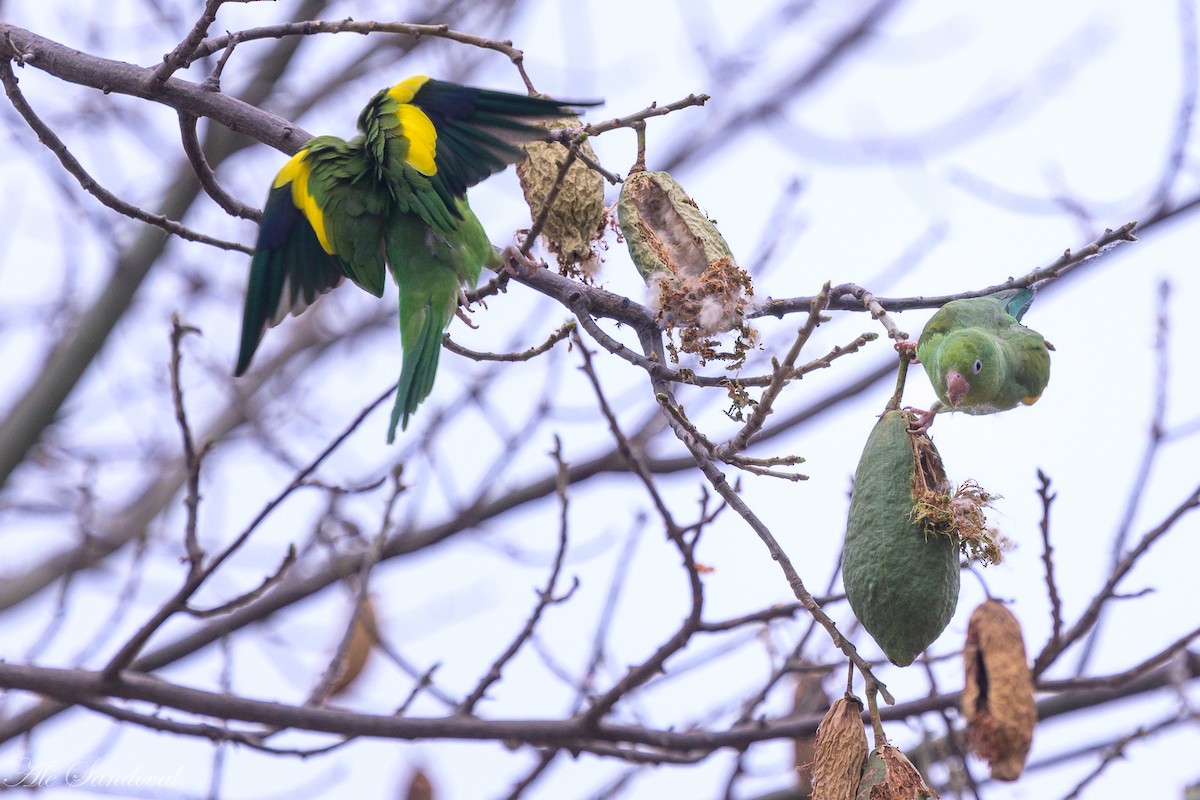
x=323, y=221
x=980, y=358
x=397, y=191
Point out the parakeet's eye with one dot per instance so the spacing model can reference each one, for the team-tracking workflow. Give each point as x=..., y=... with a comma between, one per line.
x=977, y=367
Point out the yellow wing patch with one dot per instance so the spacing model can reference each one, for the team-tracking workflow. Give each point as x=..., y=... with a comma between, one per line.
x=1033, y=398
x=415, y=125
x=296, y=172
x=404, y=91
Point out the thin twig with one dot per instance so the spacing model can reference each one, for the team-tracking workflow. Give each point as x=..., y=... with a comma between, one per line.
x=1047, y=497
x=56, y=146
x=180, y=56
x=205, y=174
x=624, y=446
x=546, y=597
x=780, y=372
x=198, y=576
x=561, y=333
x=872, y=304
x=1189, y=63
x=653, y=110
x=312, y=27
x=1114, y=752
x=1065, y=264
x=721, y=484
x=1124, y=678
x=361, y=612
x=1053, y=649
x=191, y=457
x=535, y=229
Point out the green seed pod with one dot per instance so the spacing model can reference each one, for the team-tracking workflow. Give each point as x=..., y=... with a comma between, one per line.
x=889, y=775
x=578, y=216
x=900, y=564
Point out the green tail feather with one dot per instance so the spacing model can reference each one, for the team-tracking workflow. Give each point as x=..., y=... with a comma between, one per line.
x=1015, y=301
x=419, y=368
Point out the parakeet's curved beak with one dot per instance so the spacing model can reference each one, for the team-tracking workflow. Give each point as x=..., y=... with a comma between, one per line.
x=956, y=387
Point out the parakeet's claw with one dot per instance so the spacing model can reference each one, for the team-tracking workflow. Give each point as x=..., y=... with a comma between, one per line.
x=908, y=349
x=924, y=419
x=515, y=261
x=458, y=312
x=466, y=302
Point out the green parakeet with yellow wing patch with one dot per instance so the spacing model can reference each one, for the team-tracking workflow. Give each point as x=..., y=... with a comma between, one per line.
x=400, y=193
x=430, y=140
x=323, y=221
x=980, y=358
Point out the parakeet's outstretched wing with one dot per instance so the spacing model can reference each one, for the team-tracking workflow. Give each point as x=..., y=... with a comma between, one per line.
x=428, y=141
x=322, y=222
x=452, y=136
x=292, y=264
x=479, y=130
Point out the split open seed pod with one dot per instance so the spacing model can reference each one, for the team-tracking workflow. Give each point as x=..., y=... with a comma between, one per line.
x=692, y=279
x=997, y=697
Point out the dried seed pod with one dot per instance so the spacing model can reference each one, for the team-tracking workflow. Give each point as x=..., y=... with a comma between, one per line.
x=693, y=281
x=577, y=218
x=998, y=691
x=889, y=775
x=900, y=568
x=808, y=698
x=841, y=751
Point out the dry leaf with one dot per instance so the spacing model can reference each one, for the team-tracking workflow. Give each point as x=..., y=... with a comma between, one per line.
x=419, y=786
x=363, y=637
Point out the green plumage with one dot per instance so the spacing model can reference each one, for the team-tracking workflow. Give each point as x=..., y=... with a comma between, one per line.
x=980, y=358
x=395, y=192
x=435, y=245
x=431, y=270
x=291, y=268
